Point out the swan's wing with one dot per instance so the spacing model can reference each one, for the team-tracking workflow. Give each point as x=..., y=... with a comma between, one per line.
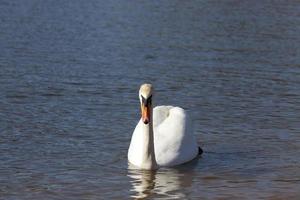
x=173, y=138
x=160, y=113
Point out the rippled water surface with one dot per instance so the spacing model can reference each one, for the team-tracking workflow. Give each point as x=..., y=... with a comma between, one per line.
x=69, y=76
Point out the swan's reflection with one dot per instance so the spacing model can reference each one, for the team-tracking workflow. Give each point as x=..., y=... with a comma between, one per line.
x=167, y=183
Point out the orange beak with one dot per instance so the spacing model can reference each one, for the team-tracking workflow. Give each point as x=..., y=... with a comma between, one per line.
x=145, y=113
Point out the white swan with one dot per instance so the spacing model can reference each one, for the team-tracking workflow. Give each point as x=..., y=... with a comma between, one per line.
x=162, y=137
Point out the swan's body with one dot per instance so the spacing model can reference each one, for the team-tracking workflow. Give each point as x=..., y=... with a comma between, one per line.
x=164, y=138
x=174, y=142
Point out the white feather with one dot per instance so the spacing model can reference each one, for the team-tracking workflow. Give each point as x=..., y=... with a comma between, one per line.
x=174, y=142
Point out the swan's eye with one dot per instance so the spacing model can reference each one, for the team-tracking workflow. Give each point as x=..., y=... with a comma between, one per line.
x=147, y=101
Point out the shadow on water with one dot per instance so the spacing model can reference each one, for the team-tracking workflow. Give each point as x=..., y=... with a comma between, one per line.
x=167, y=183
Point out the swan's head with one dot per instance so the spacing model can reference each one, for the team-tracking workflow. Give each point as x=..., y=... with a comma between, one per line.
x=145, y=95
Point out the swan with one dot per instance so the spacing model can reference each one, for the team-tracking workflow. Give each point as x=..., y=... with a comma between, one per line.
x=162, y=137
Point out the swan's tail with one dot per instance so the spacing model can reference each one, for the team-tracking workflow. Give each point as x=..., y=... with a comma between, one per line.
x=200, y=151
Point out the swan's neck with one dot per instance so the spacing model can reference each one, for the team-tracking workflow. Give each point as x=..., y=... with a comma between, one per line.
x=148, y=153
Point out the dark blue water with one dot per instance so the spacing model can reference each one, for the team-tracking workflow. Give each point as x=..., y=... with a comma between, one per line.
x=69, y=78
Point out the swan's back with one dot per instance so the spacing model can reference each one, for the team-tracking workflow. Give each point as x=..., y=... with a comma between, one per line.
x=174, y=142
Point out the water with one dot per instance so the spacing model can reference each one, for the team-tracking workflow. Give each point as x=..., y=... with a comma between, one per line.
x=69, y=77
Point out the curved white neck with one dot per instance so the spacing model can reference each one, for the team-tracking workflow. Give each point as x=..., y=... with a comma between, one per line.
x=149, y=161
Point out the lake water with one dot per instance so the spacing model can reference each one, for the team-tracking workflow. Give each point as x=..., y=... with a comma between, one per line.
x=69, y=78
